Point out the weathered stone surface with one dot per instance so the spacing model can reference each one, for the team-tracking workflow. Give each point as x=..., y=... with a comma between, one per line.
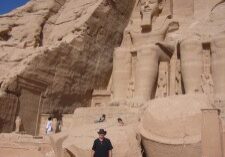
x=9, y=109
x=62, y=49
x=211, y=133
x=83, y=131
x=16, y=145
x=158, y=48
x=170, y=123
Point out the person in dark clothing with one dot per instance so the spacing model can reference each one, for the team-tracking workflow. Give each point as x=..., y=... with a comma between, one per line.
x=102, y=146
x=120, y=121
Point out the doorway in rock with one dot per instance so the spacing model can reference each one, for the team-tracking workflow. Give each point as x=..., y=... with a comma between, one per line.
x=29, y=104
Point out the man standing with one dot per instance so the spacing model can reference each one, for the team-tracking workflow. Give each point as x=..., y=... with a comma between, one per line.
x=102, y=146
x=49, y=128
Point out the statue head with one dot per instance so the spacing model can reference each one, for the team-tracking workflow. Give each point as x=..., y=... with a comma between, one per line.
x=148, y=5
x=148, y=9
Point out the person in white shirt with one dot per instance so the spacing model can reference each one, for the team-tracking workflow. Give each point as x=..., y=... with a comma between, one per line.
x=49, y=128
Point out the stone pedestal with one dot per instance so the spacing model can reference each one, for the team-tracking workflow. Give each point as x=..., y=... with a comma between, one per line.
x=211, y=133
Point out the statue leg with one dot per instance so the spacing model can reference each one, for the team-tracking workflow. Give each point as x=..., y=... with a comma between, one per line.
x=218, y=66
x=146, y=72
x=121, y=73
x=191, y=65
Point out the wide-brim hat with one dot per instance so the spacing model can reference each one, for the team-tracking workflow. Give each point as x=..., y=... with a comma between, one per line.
x=102, y=131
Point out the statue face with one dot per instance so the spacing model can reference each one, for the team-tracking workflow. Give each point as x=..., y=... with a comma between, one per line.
x=148, y=5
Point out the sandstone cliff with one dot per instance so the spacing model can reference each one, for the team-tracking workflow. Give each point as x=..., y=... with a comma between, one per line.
x=53, y=53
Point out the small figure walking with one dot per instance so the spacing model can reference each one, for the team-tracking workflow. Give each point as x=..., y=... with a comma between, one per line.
x=49, y=128
x=102, y=146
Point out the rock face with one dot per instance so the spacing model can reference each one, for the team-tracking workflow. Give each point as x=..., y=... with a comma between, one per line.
x=9, y=106
x=54, y=53
x=168, y=76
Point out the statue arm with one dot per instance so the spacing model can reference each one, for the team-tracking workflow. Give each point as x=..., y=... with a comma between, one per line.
x=167, y=48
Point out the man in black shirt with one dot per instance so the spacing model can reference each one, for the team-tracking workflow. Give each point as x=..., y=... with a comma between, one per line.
x=102, y=146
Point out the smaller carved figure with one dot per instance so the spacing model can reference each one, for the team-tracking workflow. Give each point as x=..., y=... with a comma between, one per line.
x=207, y=83
x=131, y=89
x=206, y=77
x=18, y=124
x=163, y=82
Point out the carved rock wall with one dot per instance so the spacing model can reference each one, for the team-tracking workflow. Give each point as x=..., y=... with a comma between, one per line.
x=8, y=108
x=63, y=48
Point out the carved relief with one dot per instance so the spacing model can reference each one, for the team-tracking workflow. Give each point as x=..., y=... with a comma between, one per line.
x=163, y=80
x=175, y=75
x=131, y=89
x=207, y=81
x=18, y=124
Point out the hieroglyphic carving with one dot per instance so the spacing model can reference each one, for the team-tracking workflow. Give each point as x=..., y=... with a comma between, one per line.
x=163, y=80
x=131, y=84
x=178, y=79
x=131, y=89
x=206, y=61
x=207, y=81
x=175, y=75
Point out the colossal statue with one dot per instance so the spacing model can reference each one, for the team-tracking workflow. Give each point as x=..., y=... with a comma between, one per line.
x=148, y=56
x=203, y=67
x=136, y=60
x=218, y=66
x=201, y=46
x=196, y=69
x=199, y=68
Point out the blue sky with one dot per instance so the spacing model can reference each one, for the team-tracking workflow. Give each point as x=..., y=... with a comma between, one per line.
x=8, y=5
